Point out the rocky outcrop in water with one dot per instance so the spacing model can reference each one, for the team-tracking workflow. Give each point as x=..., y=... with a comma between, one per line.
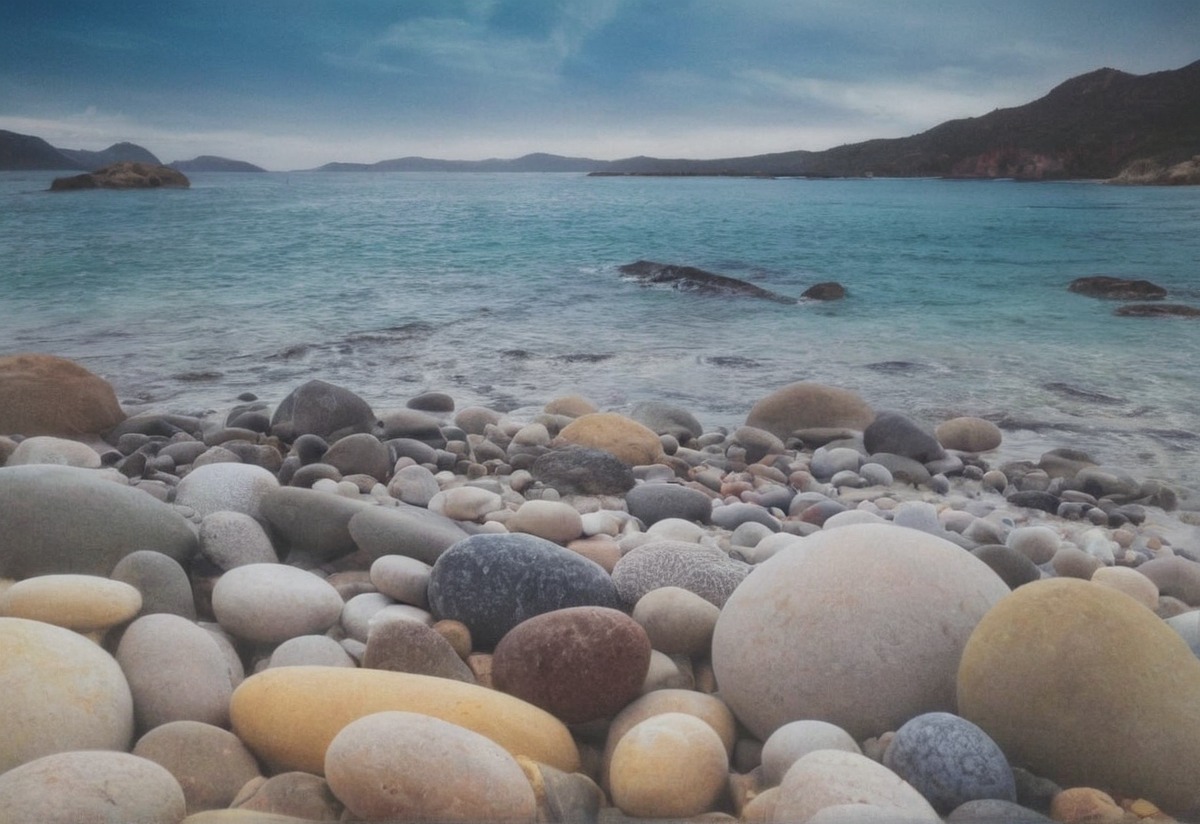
x=124, y=175
x=691, y=279
x=1105, y=286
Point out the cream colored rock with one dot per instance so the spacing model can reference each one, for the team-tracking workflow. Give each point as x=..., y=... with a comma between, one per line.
x=85, y=603
x=862, y=627
x=270, y=603
x=571, y=406
x=46, y=449
x=552, y=520
x=288, y=715
x=624, y=437
x=671, y=765
x=91, y=786
x=60, y=692
x=1081, y=684
x=794, y=740
x=465, y=503
x=807, y=405
x=968, y=434
x=678, y=621
x=1131, y=582
x=827, y=778
x=404, y=765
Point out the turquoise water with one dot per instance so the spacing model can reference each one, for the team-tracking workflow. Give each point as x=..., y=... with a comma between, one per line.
x=504, y=290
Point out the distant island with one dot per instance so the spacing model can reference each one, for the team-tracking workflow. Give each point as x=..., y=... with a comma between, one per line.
x=1103, y=125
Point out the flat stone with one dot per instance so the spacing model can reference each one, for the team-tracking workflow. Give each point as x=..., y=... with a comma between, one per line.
x=411, y=646
x=402, y=579
x=75, y=787
x=288, y=716
x=70, y=520
x=176, y=672
x=704, y=570
x=492, y=582
x=404, y=765
x=553, y=520
x=270, y=603
x=210, y=764
x=465, y=503
x=312, y=523
x=61, y=692
x=46, y=449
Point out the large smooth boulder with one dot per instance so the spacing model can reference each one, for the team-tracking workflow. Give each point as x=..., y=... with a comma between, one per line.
x=49, y=395
x=1081, y=684
x=320, y=408
x=393, y=766
x=65, y=519
x=91, y=786
x=61, y=692
x=492, y=582
x=861, y=626
x=289, y=715
x=806, y=405
x=579, y=664
x=623, y=437
x=84, y=603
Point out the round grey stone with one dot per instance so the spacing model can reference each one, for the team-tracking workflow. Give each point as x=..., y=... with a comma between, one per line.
x=231, y=539
x=164, y=584
x=654, y=502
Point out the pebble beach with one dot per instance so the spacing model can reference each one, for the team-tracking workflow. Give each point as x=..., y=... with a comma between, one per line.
x=310, y=608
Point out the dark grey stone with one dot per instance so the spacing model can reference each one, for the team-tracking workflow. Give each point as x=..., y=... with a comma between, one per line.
x=412, y=423
x=62, y=519
x=899, y=435
x=360, y=454
x=584, y=471
x=903, y=469
x=654, y=502
x=1033, y=499
x=1013, y=567
x=704, y=570
x=492, y=582
x=164, y=584
x=995, y=811
x=950, y=761
x=313, y=524
x=431, y=402
x=321, y=408
x=419, y=451
x=404, y=530
x=731, y=516
x=410, y=646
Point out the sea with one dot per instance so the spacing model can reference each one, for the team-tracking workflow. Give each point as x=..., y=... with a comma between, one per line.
x=504, y=290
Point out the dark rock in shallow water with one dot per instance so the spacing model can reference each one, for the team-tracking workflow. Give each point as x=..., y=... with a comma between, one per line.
x=894, y=433
x=654, y=502
x=1105, y=286
x=124, y=175
x=825, y=291
x=1158, y=310
x=492, y=582
x=582, y=470
x=320, y=408
x=1070, y=391
x=691, y=279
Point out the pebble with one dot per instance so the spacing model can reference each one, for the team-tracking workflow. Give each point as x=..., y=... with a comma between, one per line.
x=230, y=539
x=671, y=765
x=704, y=570
x=677, y=621
x=631, y=442
x=310, y=650
x=402, y=579
x=283, y=798
x=210, y=763
x=46, y=449
x=404, y=530
x=161, y=581
x=825, y=778
x=270, y=603
x=84, y=603
x=416, y=647
x=796, y=739
x=552, y=520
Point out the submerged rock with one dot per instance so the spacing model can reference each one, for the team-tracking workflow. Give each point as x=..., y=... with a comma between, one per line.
x=1105, y=286
x=691, y=279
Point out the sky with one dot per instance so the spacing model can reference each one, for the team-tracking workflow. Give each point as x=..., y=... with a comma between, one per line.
x=293, y=84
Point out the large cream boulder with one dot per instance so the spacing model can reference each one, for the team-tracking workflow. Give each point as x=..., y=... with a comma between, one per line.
x=861, y=626
x=829, y=778
x=91, y=786
x=669, y=766
x=288, y=715
x=618, y=435
x=61, y=692
x=392, y=766
x=84, y=603
x=48, y=395
x=806, y=405
x=1081, y=684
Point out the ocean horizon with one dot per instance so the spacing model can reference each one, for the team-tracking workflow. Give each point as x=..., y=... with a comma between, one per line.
x=504, y=290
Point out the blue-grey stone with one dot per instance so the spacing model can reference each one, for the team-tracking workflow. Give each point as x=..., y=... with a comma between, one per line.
x=899, y=435
x=492, y=582
x=654, y=502
x=731, y=516
x=404, y=530
x=995, y=811
x=950, y=761
x=667, y=419
x=321, y=408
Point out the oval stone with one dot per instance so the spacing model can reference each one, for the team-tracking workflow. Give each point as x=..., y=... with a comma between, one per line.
x=210, y=764
x=862, y=626
x=807, y=405
x=75, y=787
x=677, y=621
x=704, y=570
x=825, y=778
x=413, y=767
x=61, y=692
x=288, y=715
x=84, y=603
x=671, y=765
x=796, y=739
x=269, y=603
x=225, y=487
x=1117, y=692
x=492, y=582
x=630, y=441
x=579, y=664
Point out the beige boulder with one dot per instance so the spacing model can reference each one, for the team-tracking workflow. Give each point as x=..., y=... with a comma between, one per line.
x=84, y=603
x=409, y=766
x=48, y=395
x=630, y=441
x=806, y=405
x=46, y=449
x=288, y=715
x=1117, y=692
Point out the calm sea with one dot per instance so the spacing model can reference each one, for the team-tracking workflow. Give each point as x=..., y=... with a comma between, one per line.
x=504, y=290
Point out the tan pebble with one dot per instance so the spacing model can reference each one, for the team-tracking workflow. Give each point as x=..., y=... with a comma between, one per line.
x=85, y=603
x=761, y=808
x=572, y=406
x=457, y=633
x=630, y=441
x=1085, y=805
x=670, y=765
x=600, y=548
x=481, y=667
x=552, y=520
x=1130, y=581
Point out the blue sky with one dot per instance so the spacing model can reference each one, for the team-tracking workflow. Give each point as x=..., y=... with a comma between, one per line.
x=299, y=83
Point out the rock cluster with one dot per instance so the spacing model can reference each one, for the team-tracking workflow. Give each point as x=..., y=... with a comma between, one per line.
x=314, y=612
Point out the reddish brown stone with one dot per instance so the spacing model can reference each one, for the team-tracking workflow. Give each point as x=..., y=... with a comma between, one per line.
x=579, y=663
x=48, y=395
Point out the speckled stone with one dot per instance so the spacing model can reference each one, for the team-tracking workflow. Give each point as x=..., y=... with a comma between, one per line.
x=91, y=786
x=407, y=766
x=994, y=811
x=654, y=502
x=46, y=449
x=704, y=570
x=225, y=487
x=61, y=692
x=1086, y=651
x=825, y=632
x=579, y=664
x=671, y=765
x=950, y=761
x=210, y=764
x=288, y=715
x=492, y=582
x=583, y=471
